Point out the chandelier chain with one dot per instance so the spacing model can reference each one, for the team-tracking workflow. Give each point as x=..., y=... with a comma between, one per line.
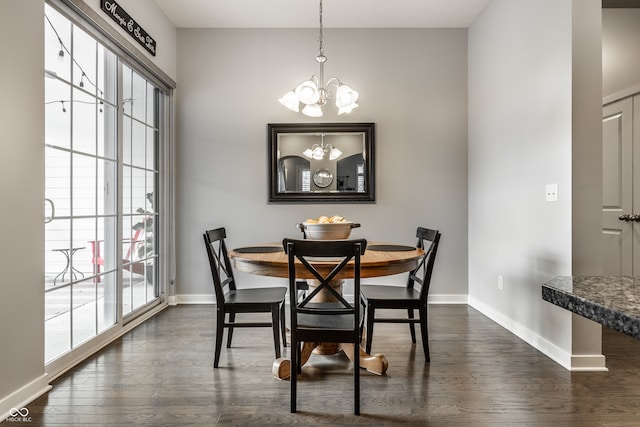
x=320, y=39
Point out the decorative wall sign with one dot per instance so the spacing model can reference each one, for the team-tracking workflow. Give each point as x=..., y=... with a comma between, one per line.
x=118, y=14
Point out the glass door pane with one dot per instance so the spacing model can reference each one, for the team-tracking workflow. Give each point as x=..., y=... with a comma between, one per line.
x=140, y=178
x=81, y=148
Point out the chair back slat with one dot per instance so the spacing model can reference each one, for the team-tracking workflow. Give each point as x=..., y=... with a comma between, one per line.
x=428, y=240
x=221, y=271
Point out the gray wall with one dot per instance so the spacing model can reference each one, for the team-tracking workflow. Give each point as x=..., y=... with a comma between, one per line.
x=412, y=84
x=534, y=93
x=22, y=181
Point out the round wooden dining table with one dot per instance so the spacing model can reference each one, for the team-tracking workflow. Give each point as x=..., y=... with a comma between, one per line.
x=379, y=259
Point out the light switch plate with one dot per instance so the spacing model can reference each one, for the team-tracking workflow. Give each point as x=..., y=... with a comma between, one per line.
x=551, y=194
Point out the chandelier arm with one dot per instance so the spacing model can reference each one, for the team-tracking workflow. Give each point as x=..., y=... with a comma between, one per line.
x=333, y=81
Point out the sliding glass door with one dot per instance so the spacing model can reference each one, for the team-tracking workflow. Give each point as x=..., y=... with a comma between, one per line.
x=103, y=184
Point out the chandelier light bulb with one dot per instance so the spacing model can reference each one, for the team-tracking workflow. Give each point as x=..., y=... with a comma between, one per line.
x=345, y=96
x=312, y=110
x=307, y=92
x=347, y=110
x=290, y=100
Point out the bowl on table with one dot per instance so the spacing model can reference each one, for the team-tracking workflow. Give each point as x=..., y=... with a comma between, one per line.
x=327, y=231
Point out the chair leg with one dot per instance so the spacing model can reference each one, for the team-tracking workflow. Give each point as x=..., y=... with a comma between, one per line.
x=283, y=325
x=293, y=374
x=356, y=378
x=232, y=318
x=219, y=333
x=424, y=331
x=412, y=327
x=275, y=325
x=371, y=314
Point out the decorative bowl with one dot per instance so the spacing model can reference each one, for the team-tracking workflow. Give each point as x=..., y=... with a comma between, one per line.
x=328, y=231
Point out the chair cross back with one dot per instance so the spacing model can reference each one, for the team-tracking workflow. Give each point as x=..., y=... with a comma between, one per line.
x=324, y=284
x=426, y=261
x=221, y=270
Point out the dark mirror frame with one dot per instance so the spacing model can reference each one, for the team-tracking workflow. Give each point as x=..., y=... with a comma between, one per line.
x=368, y=129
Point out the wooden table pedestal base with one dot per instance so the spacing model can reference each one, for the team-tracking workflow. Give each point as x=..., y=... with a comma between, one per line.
x=376, y=364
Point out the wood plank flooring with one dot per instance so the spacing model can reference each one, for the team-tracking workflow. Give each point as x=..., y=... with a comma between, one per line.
x=161, y=374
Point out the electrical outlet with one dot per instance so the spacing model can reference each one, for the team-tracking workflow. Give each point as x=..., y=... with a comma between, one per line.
x=500, y=282
x=551, y=193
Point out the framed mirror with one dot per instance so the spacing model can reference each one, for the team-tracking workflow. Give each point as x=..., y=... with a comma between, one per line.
x=321, y=162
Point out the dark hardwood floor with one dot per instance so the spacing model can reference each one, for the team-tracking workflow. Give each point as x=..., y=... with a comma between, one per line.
x=480, y=375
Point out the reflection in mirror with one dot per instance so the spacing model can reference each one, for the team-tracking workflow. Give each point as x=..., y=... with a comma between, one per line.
x=341, y=155
x=321, y=162
x=322, y=178
x=293, y=174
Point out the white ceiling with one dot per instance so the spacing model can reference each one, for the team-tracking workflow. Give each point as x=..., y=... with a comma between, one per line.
x=336, y=13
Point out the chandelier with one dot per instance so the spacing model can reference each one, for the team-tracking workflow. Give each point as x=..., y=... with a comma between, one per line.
x=313, y=94
x=318, y=152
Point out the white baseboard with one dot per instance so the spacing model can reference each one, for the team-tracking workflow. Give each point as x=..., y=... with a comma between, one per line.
x=588, y=363
x=591, y=363
x=448, y=299
x=195, y=299
x=19, y=399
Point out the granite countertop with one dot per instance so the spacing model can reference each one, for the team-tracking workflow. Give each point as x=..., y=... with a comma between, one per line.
x=612, y=301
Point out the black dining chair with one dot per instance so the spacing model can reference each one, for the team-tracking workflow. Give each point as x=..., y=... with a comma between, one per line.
x=334, y=322
x=231, y=300
x=409, y=297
